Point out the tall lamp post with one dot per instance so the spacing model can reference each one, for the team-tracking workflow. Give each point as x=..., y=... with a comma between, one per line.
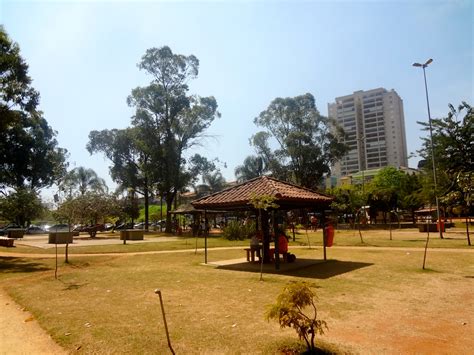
x=428, y=62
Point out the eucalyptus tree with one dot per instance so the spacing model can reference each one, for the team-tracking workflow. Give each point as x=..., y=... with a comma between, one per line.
x=131, y=160
x=29, y=155
x=307, y=142
x=171, y=121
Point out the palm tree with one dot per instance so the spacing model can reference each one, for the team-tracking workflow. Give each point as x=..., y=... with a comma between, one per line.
x=215, y=181
x=82, y=180
x=251, y=168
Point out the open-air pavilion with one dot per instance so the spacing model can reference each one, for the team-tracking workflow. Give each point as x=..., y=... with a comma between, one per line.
x=286, y=195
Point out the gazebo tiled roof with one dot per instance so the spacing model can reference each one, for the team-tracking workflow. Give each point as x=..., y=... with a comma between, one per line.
x=287, y=195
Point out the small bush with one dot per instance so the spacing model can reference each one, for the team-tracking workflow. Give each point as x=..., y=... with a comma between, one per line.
x=238, y=231
x=296, y=308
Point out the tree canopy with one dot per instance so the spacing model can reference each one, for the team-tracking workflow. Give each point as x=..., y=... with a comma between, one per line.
x=307, y=142
x=29, y=155
x=167, y=123
x=453, y=144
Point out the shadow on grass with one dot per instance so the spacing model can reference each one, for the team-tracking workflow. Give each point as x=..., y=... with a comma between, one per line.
x=309, y=268
x=10, y=265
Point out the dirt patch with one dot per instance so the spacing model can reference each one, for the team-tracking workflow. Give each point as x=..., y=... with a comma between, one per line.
x=20, y=333
x=436, y=317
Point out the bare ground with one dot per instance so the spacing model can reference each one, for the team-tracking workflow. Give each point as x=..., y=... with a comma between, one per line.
x=20, y=333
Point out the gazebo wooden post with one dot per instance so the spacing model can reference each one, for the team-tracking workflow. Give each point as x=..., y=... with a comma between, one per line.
x=323, y=222
x=266, y=237
x=277, y=250
x=205, y=236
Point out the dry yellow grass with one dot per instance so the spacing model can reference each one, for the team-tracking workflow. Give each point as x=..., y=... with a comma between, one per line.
x=370, y=299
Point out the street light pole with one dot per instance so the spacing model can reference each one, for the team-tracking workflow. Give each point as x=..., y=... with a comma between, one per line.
x=428, y=62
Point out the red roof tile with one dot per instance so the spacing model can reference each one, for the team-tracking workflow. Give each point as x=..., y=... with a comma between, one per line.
x=287, y=195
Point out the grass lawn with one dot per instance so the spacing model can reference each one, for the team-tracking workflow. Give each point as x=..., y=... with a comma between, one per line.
x=373, y=300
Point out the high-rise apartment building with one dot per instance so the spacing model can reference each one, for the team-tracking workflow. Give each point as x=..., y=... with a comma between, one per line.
x=375, y=127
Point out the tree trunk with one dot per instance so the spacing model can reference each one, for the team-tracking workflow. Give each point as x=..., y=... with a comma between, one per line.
x=467, y=229
x=169, y=206
x=266, y=237
x=146, y=195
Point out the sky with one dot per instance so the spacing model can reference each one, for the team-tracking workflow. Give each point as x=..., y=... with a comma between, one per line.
x=83, y=57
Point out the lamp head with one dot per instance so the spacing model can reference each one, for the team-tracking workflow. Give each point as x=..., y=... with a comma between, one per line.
x=417, y=65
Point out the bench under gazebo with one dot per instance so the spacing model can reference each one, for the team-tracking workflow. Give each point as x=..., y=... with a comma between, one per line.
x=286, y=195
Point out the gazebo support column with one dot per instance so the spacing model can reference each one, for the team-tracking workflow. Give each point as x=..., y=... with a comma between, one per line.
x=277, y=250
x=266, y=237
x=323, y=222
x=206, y=231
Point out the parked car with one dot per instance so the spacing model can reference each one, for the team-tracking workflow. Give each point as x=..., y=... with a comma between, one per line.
x=124, y=226
x=60, y=228
x=140, y=225
x=32, y=229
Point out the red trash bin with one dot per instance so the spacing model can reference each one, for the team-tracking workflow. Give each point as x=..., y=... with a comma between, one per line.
x=442, y=226
x=329, y=235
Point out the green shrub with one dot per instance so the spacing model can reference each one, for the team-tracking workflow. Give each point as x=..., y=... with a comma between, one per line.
x=237, y=231
x=296, y=308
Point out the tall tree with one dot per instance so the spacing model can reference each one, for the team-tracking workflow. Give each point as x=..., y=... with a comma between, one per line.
x=171, y=122
x=308, y=143
x=453, y=144
x=385, y=190
x=130, y=158
x=29, y=155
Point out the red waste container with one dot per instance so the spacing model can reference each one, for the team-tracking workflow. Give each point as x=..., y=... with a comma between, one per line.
x=329, y=235
x=440, y=223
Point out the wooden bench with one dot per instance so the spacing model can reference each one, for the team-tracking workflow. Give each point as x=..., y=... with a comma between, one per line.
x=251, y=254
x=7, y=242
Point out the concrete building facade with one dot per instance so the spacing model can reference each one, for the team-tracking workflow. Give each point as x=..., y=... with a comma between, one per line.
x=375, y=127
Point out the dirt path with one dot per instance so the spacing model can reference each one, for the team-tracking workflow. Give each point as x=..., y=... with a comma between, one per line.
x=20, y=333
x=47, y=256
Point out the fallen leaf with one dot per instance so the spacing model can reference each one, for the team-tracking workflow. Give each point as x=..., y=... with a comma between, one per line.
x=234, y=325
x=67, y=334
x=29, y=319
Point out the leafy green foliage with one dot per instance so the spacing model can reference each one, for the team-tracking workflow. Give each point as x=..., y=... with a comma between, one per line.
x=238, y=231
x=29, y=154
x=348, y=199
x=295, y=308
x=384, y=191
x=263, y=202
x=453, y=138
x=252, y=167
x=307, y=146
x=88, y=209
x=80, y=180
x=166, y=123
x=21, y=207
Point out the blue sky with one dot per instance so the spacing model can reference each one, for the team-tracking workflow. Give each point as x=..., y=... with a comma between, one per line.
x=83, y=56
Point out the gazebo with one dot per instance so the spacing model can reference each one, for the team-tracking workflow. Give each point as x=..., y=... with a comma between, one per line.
x=286, y=195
